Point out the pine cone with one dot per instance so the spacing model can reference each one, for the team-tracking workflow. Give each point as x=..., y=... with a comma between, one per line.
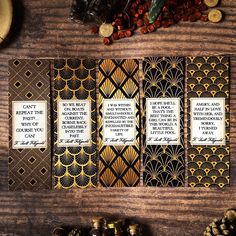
x=224, y=226
x=75, y=232
x=58, y=232
x=231, y=215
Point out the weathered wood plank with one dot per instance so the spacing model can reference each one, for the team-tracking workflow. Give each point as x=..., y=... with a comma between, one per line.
x=47, y=32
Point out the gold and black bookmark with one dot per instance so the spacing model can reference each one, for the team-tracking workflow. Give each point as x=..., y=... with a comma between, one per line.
x=29, y=125
x=75, y=156
x=208, y=121
x=163, y=121
x=119, y=123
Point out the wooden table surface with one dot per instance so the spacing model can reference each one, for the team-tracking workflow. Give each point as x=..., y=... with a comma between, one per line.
x=43, y=29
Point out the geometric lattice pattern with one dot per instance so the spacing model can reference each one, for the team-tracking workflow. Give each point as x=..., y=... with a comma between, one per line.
x=75, y=167
x=29, y=169
x=164, y=165
x=208, y=77
x=119, y=166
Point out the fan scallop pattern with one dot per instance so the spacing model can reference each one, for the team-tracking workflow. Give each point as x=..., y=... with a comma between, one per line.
x=119, y=165
x=75, y=167
x=208, y=165
x=164, y=166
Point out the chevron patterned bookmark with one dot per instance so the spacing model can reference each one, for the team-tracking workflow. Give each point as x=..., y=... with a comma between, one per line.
x=208, y=121
x=119, y=128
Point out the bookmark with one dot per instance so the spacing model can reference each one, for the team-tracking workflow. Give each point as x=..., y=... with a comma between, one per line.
x=208, y=121
x=119, y=128
x=29, y=125
x=75, y=157
x=163, y=120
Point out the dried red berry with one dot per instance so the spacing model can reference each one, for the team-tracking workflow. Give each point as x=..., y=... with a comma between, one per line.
x=185, y=18
x=120, y=15
x=144, y=30
x=198, y=15
x=140, y=11
x=146, y=15
x=134, y=21
x=192, y=18
x=165, y=24
x=133, y=12
x=151, y=28
x=95, y=29
x=121, y=34
x=202, y=7
x=192, y=10
x=140, y=23
x=204, y=18
x=170, y=22
x=146, y=21
x=106, y=41
x=120, y=27
x=177, y=18
x=115, y=36
x=118, y=22
x=134, y=5
x=128, y=33
x=126, y=17
x=157, y=24
x=198, y=2
x=164, y=9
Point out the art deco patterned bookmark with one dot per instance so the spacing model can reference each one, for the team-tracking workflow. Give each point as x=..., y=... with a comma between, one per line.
x=119, y=128
x=29, y=125
x=163, y=140
x=75, y=123
x=208, y=121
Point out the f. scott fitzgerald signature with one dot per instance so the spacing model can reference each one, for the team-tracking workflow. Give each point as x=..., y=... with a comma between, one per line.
x=29, y=143
x=74, y=141
x=119, y=140
x=208, y=140
x=165, y=139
